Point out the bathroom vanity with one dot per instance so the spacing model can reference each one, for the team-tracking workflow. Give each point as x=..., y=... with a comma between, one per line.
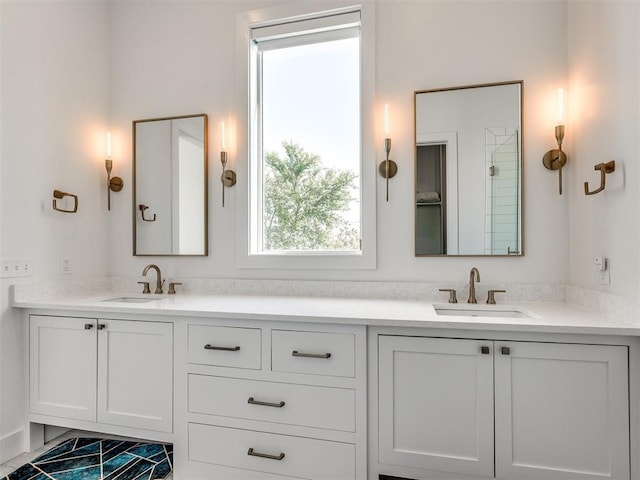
x=330, y=388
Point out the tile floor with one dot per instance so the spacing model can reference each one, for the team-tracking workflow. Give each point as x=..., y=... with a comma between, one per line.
x=16, y=462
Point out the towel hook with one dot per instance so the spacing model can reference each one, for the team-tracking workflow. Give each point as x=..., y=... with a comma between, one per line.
x=142, y=209
x=57, y=194
x=604, y=168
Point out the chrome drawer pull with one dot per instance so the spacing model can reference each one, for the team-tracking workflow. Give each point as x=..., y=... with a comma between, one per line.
x=296, y=353
x=265, y=455
x=266, y=404
x=226, y=349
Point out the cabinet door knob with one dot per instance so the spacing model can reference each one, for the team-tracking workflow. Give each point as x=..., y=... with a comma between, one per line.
x=296, y=353
x=88, y=326
x=505, y=351
x=226, y=349
x=265, y=404
x=485, y=350
x=101, y=326
x=253, y=453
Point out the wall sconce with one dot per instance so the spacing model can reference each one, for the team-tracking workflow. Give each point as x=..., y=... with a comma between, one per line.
x=114, y=184
x=388, y=168
x=555, y=159
x=228, y=177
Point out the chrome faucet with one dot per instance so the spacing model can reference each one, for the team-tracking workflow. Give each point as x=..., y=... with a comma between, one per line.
x=159, y=281
x=472, y=285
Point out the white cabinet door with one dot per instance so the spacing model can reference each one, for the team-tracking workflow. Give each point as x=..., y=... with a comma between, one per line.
x=135, y=374
x=62, y=367
x=562, y=411
x=436, y=404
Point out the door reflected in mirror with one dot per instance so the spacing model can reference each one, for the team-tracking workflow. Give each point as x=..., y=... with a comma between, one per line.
x=170, y=186
x=468, y=171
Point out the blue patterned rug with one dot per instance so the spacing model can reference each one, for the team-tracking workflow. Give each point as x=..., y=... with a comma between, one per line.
x=99, y=459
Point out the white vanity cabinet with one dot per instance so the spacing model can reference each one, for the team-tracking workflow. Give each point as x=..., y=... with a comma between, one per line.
x=111, y=372
x=273, y=400
x=553, y=410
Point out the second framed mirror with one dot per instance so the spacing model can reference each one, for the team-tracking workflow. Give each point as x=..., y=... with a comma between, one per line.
x=468, y=170
x=170, y=186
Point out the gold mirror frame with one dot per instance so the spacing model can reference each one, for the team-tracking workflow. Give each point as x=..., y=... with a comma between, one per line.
x=144, y=214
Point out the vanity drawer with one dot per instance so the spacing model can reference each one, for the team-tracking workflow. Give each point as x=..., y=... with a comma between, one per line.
x=303, y=405
x=314, y=353
x=225, y=346
x=287, y=455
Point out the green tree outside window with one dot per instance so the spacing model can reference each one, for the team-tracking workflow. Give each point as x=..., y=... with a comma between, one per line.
x=303, y=202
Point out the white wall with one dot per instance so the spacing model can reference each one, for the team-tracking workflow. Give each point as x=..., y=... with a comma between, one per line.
x=179, y=57
x=604, y=124
x=54, y=96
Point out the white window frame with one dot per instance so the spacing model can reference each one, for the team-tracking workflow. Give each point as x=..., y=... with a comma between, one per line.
x=248, y=180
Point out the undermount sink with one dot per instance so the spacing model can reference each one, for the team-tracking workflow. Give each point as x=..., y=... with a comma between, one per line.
x=478, y=311
x=131, y=299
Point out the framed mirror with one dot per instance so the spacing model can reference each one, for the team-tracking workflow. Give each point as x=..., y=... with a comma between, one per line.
x=170, y=186
x=468, y=170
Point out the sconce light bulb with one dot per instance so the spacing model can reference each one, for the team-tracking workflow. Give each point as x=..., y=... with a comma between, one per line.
x=387, y=129
x=223, y=140
x=108, y=146
x=560, y=107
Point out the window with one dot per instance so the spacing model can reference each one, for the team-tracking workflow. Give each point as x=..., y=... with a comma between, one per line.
x=307, y=184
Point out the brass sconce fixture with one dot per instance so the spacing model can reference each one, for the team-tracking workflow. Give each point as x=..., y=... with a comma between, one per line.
x=555, y=159
x=604, y=168
x=59, y=195
x=228, y=177
x=388, y=168
x=114, y=184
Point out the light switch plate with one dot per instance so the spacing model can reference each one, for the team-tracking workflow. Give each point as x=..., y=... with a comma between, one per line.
x=15, y=267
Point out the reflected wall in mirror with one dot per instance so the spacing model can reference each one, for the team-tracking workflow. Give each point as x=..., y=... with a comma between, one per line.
x=170, y=186
x=468, y=172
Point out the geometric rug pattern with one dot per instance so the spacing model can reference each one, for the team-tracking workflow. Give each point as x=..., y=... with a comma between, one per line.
x=99, y=459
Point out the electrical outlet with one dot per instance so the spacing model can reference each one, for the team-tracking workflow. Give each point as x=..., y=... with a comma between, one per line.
x=66, y=267
x=605, y=275
x=601, y=264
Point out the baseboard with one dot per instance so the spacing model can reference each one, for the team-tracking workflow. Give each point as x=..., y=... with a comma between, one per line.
x=51, y=432
x=12, y=445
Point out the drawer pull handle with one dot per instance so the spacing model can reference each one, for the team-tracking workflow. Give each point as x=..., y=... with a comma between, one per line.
x=88, y=326
x=505, y=351
x=296, y=353
x=252, y=453
x=101, y=326
x=226, y=349
x=266, y=404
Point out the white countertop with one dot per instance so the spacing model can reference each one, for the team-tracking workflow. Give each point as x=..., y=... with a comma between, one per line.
x=556, y=317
